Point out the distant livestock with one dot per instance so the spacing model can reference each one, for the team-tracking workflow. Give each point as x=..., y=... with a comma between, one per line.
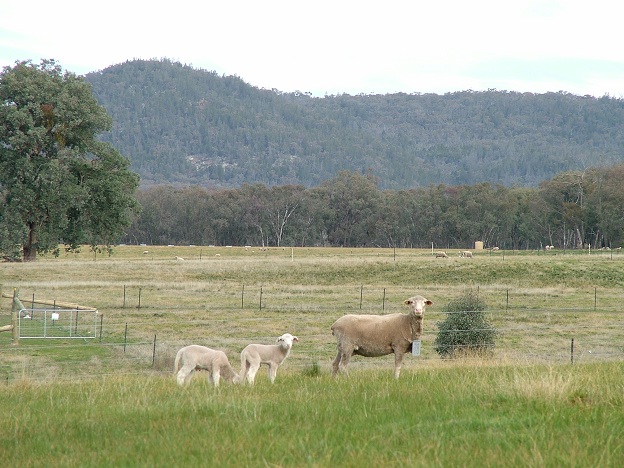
x=378, y=335
x=465, y=254
x=272, y=355
x=196, y=357
x=549, y=247
x=441, y=255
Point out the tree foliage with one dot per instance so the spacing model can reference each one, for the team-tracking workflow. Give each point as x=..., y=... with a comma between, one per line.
x=350, y=210
x=466, y=330
x=58, y=183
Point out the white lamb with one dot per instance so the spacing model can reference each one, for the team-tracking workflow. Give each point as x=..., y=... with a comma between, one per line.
x=273, y=355
x=196, y=357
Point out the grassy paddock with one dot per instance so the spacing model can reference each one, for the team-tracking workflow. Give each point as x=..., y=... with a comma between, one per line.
x=106, y=402
x=454, y=415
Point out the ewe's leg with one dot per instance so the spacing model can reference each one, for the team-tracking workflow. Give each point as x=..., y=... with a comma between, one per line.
x=398, y=361
x=336, y=363
x=344, y=360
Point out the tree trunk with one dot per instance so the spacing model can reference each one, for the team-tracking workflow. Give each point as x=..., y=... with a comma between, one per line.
x=30, y=247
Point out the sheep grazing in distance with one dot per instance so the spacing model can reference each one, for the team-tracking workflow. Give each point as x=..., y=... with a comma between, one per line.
x=465, y=254
x=273, y=355
x=441, y=255
x=179, y=259
x=196, y=357
x=379, y=335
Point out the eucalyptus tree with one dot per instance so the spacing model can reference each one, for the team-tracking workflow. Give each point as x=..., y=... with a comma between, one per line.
x=58, y=182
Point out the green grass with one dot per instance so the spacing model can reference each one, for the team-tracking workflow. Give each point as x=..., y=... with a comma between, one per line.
x=92, y=402
x=455, y=415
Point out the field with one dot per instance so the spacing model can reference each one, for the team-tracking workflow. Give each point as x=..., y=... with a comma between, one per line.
x=107, y=397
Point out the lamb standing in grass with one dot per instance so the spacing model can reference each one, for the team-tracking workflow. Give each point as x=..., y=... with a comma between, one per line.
x=196, y=357
x=379, y=335
x=273, y=355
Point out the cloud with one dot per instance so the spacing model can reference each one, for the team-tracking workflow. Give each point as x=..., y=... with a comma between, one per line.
x=337, y=47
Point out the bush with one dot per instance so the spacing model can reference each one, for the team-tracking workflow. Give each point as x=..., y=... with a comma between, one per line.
x=466, y=331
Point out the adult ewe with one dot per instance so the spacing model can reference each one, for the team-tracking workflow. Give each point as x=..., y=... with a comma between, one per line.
x=273, y=355
x=379, y=335
x=196, y=357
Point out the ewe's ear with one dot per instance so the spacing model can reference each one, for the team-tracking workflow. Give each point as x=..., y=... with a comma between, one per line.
x=408, y=302
x=429, y=302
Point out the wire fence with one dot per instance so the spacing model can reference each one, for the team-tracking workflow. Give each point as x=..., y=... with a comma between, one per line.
x=147, y=343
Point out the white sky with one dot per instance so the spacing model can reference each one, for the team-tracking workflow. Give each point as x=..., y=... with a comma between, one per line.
x=338, y=46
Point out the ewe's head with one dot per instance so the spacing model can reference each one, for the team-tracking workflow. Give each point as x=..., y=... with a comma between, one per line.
x=417, y=304
x=286, y=340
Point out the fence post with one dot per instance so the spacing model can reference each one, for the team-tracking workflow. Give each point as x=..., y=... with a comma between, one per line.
x=139, y=306
x=260, y=297
x=124, y=298
x=154, y=352
x=243, y=297
x=361, y=293
x=15, y=310
x=572, y=352
x=101, y=325
x=125, y=337
x=383, y=302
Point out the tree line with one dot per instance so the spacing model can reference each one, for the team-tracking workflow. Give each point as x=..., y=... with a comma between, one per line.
x=574, y=209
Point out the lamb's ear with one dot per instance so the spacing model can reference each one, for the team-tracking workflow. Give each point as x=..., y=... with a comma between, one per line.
x=295, y=338
x=279, y=339
x=428, y=302
x=408, y=302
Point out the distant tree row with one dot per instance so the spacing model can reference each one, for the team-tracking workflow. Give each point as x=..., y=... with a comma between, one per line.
x=572, y=210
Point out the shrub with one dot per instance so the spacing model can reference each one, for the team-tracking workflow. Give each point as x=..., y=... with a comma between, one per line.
x=466, y=330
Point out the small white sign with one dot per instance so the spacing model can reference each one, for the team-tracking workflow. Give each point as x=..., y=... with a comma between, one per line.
x=416, y=348
x=55, y=316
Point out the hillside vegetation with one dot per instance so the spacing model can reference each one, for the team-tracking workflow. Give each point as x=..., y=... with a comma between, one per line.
x=182, y=125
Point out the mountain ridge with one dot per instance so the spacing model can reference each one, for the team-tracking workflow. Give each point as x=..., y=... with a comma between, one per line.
x=184, y=126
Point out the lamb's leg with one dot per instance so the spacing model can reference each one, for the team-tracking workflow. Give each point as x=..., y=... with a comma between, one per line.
x=251, y=373
x=216, y=376
x=185, y=374
x=272, y=371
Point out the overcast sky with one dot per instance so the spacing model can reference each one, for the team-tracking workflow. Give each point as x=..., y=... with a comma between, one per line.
x=338, y=46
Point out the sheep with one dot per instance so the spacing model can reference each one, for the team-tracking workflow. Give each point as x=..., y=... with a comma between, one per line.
x=465, y=254
x=196, y=357
x=441, y=255
x=378, y=335
x=273, y=355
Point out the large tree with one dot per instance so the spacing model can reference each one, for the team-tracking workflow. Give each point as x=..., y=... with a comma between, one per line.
x=58, y=182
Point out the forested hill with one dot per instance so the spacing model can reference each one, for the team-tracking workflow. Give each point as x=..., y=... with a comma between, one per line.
x=181, y=125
